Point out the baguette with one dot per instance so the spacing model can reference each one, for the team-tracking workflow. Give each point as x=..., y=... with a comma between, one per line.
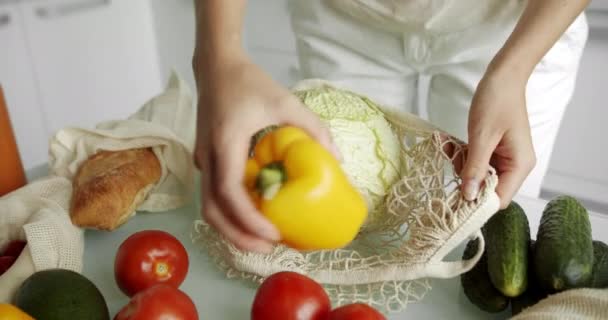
x=110, y=185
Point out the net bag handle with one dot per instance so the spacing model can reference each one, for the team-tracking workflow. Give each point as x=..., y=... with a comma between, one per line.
x=438, y=268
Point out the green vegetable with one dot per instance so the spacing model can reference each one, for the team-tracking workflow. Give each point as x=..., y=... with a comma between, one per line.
x=477, y=286
x=600, y=265
x=507, y=236
x=59, y=294
x=533, y=293
x=369, y=146
x=563, y=256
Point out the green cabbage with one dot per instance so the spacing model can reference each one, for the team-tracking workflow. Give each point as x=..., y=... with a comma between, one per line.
x=370, y=148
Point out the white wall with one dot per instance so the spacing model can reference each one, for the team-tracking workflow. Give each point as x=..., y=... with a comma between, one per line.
x=270, y=41
x=267, y=37
x=174, y=25
x=579, y=164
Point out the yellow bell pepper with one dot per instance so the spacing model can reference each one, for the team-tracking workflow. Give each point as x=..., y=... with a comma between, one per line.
x=301, y=188
x=10, y=312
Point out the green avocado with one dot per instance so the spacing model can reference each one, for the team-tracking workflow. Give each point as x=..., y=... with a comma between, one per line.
x=60, y=294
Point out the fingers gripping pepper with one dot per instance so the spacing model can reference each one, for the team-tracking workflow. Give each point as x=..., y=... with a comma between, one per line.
x=301, y=188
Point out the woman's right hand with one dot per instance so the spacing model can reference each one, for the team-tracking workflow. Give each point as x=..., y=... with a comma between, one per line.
x=236, y=100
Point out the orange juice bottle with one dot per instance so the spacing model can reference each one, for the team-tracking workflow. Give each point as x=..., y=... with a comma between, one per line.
x=12, y=174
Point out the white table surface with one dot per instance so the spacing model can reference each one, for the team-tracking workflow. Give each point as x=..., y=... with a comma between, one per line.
x=219, y=298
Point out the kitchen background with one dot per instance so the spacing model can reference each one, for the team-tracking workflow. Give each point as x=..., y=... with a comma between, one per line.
x=80, y=62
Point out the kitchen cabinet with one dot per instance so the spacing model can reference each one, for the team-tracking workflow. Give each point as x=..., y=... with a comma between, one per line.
x=95, y=59
x=90, y=61
x=17, y=79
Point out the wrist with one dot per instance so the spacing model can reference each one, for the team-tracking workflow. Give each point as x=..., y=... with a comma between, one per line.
x=218, y=36
x=510, y=67
x=210, y=65
x=208, y=58
x=508, y=73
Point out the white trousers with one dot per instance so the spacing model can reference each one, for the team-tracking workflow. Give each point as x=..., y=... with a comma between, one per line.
x=387, y=65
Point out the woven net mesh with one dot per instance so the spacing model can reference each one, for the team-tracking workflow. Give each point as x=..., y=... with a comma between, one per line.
x=389, y=264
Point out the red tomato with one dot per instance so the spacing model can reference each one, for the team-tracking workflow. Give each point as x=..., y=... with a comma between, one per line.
x=290, y=296
x=6, y=262
x=14, y=248
x=356, y=311
x=159, y=302
x=147, y=258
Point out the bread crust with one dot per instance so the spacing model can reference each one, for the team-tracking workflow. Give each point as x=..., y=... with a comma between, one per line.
x=110, y=185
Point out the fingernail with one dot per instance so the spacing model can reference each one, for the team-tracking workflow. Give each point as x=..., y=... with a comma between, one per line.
x=255, y=247
x=471, y=189
x=271, y=234
x=262, y=248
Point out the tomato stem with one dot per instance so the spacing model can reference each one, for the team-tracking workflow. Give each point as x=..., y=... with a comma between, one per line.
x=161, y=268
x=270, y=179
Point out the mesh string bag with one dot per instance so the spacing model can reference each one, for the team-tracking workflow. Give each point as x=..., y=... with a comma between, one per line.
x=424, y=217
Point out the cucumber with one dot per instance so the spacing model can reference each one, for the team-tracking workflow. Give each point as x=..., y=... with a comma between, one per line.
x=599, y=279
x=563, y=256
x=533, y=293
x=477, y=286
x=507, y=236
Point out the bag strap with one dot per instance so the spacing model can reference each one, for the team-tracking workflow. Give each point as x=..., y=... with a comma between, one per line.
x=436, y=266
x=432, y=269
x=490, y=204
x=382, y=273
x=450, y=269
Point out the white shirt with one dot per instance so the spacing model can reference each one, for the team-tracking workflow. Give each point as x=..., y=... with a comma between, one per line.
x=434, y=16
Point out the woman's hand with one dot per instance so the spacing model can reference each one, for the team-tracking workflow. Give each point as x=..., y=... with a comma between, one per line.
x=237, y=99
x=499, y=130
x=499, y=135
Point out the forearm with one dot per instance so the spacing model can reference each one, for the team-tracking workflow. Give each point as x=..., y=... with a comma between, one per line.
x=218, y=39
x=538, y=29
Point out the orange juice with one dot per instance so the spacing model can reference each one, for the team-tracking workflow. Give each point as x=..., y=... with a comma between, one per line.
x=12, y=174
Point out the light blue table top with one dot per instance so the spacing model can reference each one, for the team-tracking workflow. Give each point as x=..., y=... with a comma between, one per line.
x=217, y=297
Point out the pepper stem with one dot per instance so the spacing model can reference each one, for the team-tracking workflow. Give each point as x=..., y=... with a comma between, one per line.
x=270, y=179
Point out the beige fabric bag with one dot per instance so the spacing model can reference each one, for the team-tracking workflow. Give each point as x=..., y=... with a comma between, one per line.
x=38, y=212
x=574, y=304
x=386, y=266
x=166, y=123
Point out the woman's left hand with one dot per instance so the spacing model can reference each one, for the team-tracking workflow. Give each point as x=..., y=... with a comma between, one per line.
x=499, y=129
x=499, y=135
